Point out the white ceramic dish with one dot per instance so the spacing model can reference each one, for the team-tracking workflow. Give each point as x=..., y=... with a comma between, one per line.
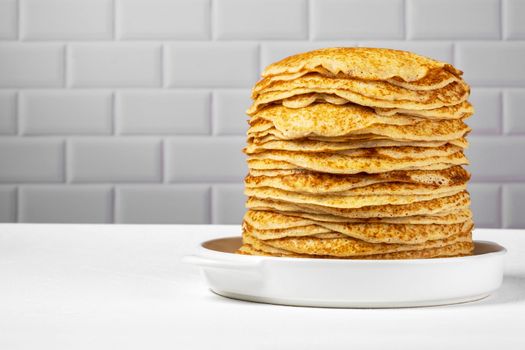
x=349, y=283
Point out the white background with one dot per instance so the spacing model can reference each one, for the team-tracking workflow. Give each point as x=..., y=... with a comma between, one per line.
x=132, y=111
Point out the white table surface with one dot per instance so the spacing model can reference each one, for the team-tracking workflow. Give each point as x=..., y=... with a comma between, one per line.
x=124, y=287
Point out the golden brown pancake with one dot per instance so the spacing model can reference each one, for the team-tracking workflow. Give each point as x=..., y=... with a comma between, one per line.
x=429, y=207
x=345, y=247
x=362, y=63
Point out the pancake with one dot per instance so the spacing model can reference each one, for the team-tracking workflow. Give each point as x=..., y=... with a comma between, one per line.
x=427, y=130
x=396, y=152
x=376, y=89
x=261, y=166
x=450, y=95
x=305, y=145
x=452, y=250
x=322, y=183
x=345, y=247
x=435, y=79
x=343, y=164
x=458, y=111
x=437, y=206
x=325, y=119
x=453, y=217
x=269, y=225
x=361, y=63
x=348, y=201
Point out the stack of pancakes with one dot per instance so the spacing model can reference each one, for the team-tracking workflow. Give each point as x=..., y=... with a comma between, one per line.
x=358, y=153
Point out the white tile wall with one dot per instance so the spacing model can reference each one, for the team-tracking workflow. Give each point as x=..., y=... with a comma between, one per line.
x=7, y=112
x=66, y=19
x=514, y=197
x=163, y=204
x=31, y=65
x=114, y=160
x=163, y=19
x=228, y=204
x=163, y=112
x=8, y=19
x=514, y=120
x=199, y=159
x=132, y=111
x=452, y=19
x=65, y=112
x=211, y=64
x=488, y=105
x=514, y=26
x=357, y=19
x=255, y=19
x=114, y=65
x=31, y=160
x=7, y=203
x=65, y=204
x=229, y=108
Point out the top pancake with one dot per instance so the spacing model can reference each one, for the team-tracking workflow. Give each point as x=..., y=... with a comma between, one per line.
x=361, y=63
x=435, y=79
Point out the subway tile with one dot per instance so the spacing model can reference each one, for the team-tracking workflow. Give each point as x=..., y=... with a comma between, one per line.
x=513, y=204
x=497, y=158
x=453, y=19
x=66, y=19
x=200, y=159
x=70, y=204
x=487, y=104
x=8, y=19
x=437, y=50
x=514, y=114
x=255, y=19
x=228, y=204
x=115, y=65
x=513, y=15
x=31, y=65
x=163, y=112
x=492, y=63
x=485, y=204
x=275, y=51
x=65, y=112
x=356, y=19
x=7, y=204
x=31, y=159
x=7, y=112
x=211, y=64
x=169, y=204
x=160, y=19
x=114, y=160
x=229, y=111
